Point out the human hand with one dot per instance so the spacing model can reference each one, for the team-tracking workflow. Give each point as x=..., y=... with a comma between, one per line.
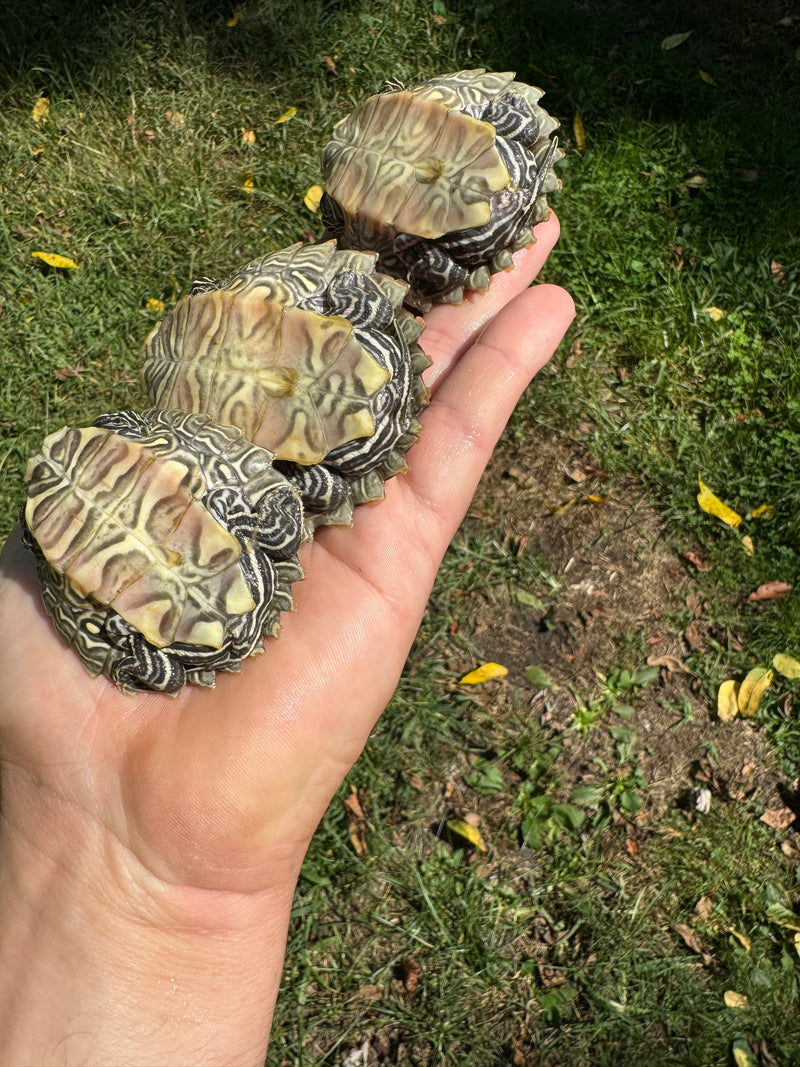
x=188, y=803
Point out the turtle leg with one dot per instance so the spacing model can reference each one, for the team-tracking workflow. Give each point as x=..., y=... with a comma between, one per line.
x=431, y=270
x=356, y=298
x=325, y=495
x=512, y=116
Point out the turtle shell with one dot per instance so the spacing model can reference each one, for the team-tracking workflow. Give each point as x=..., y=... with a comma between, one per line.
x=166, y=545
x=312, y=356
x=444, y=180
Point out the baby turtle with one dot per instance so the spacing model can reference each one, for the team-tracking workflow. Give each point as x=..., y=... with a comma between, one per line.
x=165, y=545
x=444, y=180
x=310, y=353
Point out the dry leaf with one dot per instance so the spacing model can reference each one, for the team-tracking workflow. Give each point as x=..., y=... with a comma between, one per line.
x=767, y=591
x=734, y=1000
x=672, y=664
x=693, y=637
x=356, y=824
x=692, y=557
x=763, y=511
x=707, y=77
x=674, y=40
x=704, y=907
x=714, y=313
x=579, y=132
x=714, y=506
x=743, y=941
x=461, y=828
x=41, y=109
x=371, y=994
x=692, y=942
x=485, y=673
x=727, y=700
x=778, y=818
x=329, y=64
x=776, y=270
x=411, y=972
x=747, y=545
x=313, y=197
x=788, y=666
x=53, y=260
x=752, y=690
x=439, y=20
x=248, y=136
x=288, y=114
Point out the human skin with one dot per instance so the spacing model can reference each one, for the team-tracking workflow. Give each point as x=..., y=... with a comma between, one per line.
x=150, y=845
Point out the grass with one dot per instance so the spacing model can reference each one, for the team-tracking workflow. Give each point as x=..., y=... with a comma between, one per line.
x=558, y=945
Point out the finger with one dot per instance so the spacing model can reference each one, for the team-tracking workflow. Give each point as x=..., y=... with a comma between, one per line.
x=476, y=398
x=450, y=330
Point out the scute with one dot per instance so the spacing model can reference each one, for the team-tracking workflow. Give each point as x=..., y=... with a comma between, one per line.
x=136, y=539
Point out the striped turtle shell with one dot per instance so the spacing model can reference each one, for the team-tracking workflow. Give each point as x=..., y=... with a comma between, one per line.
x=311, y=355
x=444, y=180
x=166, y=545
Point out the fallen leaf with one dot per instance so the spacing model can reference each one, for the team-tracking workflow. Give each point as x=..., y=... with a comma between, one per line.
x=539, y=678
x=776, y=270
x=767, y=591
x=54, y=260
x=371, y=994
x=714, y=313
x=752, y=690
x=37, y=151
x=313, y=197
x=288, y=114
x=692, y=557
x=674, y=40
x=788, y=666
x=707, y=77
x=357, y=824
x=154, y=304
x=485, y=673
x=63, y=373
x=672, y=664
x=439, y=20
x=734, y=1000
x=747, y=545
x=695, y=181
x=248, y=136
x=691, y=940
x=579, y=132
x=763, y=511
x=237, y=14
x=742, y=1053
x=461, y=828
x=248, y=181
x=743, y=941
x=693, y=637
x=714, y=506
x=411, y=972
x=778, y=818
x=329, y=64
x=559, y=509
x=41, y=109
x=727, y=700
x=704, y=907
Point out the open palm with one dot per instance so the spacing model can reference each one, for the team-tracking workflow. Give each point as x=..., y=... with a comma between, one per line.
x=221, y=789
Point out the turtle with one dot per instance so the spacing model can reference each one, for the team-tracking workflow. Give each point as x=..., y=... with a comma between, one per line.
x=311, y=354
x=166, y=545
x=444, y=180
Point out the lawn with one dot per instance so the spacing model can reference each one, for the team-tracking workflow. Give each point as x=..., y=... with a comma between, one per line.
x=581, y=862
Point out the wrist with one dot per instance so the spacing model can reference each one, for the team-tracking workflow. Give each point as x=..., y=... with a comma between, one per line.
x=102, y=962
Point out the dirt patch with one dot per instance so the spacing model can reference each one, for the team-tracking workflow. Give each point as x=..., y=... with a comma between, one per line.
x=623, y=596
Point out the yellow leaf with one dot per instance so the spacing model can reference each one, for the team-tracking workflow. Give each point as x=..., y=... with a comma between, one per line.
x=248, y=181
x=788, y=666
x=763, y=511
x=153, y=304
x=674, y=40
x=796, y=943
x=313, y=197
x=485, y=673
x=714, y=506
x=752, y=690
x=714, y=313
x=53, y=260
x=707, y=78
x=579, y=132
x=747, y=545
x=237, y=14
x=743, y=941
x=727, y=704
x=470, y=833
x=37, y=151
x=41, y=109
x=289, y=114
x=743, y=1055
x=248, y=136
x=734, y=1000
